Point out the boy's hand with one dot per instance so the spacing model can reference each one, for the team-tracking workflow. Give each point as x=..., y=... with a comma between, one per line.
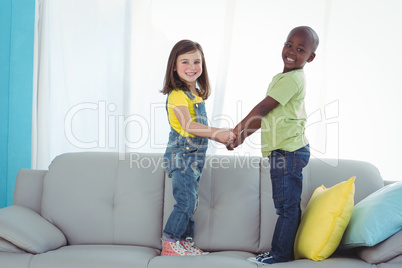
x=230, y=146
x=239, y=140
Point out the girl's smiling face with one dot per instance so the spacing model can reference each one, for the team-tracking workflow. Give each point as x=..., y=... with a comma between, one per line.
x=297, y=51
x=189, y=67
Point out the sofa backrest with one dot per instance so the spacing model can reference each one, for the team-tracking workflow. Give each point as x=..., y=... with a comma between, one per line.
x=105, y=198
x=329, y=172
x=229, y=212
x=109, y=198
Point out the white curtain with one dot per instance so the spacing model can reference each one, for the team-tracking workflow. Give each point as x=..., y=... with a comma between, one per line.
x=99, y=67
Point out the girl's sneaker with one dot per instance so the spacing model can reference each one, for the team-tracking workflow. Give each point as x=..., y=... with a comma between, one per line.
x=174, y=248
x=188, y=244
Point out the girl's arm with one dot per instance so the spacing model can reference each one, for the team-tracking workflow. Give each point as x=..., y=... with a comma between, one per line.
x=252, y=122
x=224, y=136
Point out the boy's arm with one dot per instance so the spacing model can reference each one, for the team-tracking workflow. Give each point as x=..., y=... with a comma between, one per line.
x=252, y=122
x=224, y=136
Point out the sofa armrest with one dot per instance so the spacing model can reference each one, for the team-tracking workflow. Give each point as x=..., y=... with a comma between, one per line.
x=6, y=246
x=28, y=231
x=387, y=182
x=384, y=251
x=29, y=188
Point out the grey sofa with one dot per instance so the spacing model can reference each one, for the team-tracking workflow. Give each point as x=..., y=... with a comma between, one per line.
x=107, y=210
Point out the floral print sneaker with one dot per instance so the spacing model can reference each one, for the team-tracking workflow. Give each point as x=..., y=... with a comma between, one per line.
x=188, y=244
x=174, y=248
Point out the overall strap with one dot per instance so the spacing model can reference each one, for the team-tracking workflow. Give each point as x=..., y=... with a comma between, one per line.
x=191, y=96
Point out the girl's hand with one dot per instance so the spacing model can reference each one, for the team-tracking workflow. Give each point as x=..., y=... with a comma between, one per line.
x=225, y=136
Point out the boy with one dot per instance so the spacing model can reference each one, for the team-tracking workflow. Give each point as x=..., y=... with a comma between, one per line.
x=282, y=117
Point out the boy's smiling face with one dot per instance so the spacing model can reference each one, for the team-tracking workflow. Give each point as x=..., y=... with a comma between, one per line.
x=298, y=49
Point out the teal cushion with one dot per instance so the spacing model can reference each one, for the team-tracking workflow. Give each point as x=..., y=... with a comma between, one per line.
x=375, y=218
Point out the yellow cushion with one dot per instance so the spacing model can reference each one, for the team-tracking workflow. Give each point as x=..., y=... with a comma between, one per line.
x=324, y=221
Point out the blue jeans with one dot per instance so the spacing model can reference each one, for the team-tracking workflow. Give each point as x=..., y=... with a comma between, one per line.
x=286, y=179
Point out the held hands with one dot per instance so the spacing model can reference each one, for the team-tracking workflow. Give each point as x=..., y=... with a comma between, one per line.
x=225, y=136
x=236, y=142
x=229, y=137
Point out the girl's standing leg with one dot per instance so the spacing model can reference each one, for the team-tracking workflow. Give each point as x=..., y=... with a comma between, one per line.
x=185, y=189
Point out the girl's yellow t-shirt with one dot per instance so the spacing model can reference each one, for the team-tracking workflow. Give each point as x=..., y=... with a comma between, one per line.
x=180, y=98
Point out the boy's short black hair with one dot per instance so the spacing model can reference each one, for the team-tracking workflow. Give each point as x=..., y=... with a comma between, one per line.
x=312, y=33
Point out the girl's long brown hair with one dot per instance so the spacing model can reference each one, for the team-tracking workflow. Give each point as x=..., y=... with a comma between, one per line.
x=172, y=80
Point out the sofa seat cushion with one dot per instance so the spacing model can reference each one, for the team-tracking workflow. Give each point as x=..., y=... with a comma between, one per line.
x=13, y=260
x=333, y=262
x=99, y=256
x=238, y=259
x=232, y=259
x=391, y=265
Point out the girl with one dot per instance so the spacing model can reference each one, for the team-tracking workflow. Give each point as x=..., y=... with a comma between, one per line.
x=188, y=141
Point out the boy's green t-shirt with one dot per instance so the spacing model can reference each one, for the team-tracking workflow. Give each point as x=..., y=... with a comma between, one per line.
x=283, y=127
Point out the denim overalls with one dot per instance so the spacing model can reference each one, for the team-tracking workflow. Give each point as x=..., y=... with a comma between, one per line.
x=184, y=161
